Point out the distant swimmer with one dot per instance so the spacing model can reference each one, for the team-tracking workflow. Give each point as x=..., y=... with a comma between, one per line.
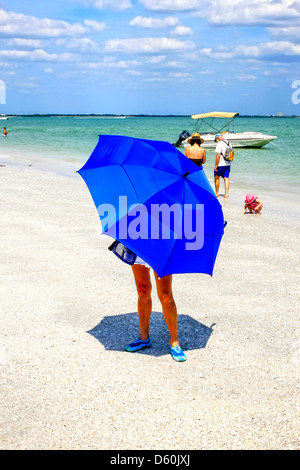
x=5, y=132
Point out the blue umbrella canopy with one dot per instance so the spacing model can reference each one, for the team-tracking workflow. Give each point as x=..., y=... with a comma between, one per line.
x=155, y=201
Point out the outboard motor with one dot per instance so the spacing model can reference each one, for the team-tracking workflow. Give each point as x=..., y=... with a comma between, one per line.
x=184, y=135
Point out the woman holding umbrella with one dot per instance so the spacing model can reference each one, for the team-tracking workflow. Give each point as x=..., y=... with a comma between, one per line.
x=152, y=174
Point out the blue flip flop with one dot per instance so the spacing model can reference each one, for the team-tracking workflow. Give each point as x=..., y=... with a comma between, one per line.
x=177, y=354
x=138, y=345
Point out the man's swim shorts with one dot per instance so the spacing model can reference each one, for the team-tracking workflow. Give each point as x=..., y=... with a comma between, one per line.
x=223, y=171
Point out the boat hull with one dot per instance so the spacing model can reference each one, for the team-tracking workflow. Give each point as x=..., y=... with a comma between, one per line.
x=237, y=140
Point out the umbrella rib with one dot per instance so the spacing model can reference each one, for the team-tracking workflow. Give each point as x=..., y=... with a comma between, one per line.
x=168, y=261
x=169, y=257
x=165, y=188
x=121, y=165
x=130, y=181
x=171, y=169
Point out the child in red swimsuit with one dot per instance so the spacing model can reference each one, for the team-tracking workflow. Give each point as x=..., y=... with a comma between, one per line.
x=252, y=204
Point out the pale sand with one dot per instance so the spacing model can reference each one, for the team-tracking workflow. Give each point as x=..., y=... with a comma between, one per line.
x=62, y=388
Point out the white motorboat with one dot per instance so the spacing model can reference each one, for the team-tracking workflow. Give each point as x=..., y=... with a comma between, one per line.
x=237, y=139
x=3, y=117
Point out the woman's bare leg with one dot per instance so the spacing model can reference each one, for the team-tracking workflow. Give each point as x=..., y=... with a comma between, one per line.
x=143, y=286
x=165, y=295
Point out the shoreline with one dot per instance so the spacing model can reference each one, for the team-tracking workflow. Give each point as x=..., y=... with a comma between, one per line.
x=68, y=307
x=278, y=202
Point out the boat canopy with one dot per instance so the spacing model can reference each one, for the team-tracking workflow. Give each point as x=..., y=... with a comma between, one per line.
x=214, y=114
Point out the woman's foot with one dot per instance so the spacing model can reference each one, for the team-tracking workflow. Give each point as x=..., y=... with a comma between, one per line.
x=177, y=354
x=138, y=345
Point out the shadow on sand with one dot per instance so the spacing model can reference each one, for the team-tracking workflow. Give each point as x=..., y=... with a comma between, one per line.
x=115, y=331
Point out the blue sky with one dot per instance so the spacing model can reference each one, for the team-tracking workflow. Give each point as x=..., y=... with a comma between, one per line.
x=149, y=56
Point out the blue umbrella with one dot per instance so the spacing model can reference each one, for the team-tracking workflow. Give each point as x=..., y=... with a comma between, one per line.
x=155, y=201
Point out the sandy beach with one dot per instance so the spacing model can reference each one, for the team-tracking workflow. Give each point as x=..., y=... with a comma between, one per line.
x=68, y=308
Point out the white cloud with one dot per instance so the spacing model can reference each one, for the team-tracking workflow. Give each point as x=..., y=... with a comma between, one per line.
x=157, y=59
x=22, y=25
x=95, y=25
x=161, y=59
x=156, y=79
x=36, y=55
x=110, y=62
x=5, y=64
x=175, y=64
x=286, y=32
x=133, y=72
x=268, y=50
x=80, y=44
x=27, y=43
x=238, y=12
x=113, y=4
x=247, y=77
x=282, y=71
x=285, y=48
x=179, y=74
x=182, y=31
x=150, y=45
x=170, y=5
x=18, y=24
x=157, y=23
x=249, y=12
x=28, y=85
x=205, y=72
x=49, y=70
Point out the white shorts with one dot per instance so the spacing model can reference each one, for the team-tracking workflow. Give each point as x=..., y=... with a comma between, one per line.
x=142, y=262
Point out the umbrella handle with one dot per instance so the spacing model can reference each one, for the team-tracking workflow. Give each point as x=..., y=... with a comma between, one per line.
x=185, y=174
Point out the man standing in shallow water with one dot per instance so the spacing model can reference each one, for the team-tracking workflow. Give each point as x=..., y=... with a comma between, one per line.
x=222, y=166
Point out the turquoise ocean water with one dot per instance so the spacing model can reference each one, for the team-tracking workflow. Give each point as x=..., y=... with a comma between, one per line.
x=66, y=142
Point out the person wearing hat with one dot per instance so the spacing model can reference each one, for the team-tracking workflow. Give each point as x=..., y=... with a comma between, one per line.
x=222, y=166
x=195, y=152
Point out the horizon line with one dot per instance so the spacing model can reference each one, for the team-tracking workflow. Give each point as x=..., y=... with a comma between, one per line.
x=141, y=115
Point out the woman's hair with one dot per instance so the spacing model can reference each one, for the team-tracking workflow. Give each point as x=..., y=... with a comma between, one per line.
x=196, y=141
